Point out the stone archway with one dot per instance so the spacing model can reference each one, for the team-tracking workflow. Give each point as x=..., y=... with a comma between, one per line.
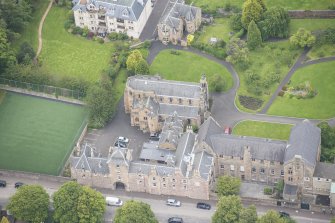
x=119, y=186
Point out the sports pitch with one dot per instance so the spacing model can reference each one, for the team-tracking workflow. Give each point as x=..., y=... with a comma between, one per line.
x=37, y=135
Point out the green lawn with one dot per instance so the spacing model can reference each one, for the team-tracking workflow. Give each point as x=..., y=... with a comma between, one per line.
x=311, y=24
x=325, y=50
x=212, y=5
x=37, y=134
x=322, y=106
x=188, y=67
x=275, y=57
x=263, y=129
x=30, y=32
x=64, y=54
x=220, y=29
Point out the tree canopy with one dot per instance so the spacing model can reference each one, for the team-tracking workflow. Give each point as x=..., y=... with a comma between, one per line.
x=303, y=38
x=248, y=215
x=254, y=36
x=227, y=185
x=271, y=217
x=75, y=203
x=327, y=142
x=252, y=10
x=30, y=203
x=7, y=57
x=134, y=212
x=142, y=67
x=4, y=220
x=133, y=59
x=228, y=210
x=237, y=51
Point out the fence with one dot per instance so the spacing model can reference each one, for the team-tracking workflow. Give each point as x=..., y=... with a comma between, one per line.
x=55, y=92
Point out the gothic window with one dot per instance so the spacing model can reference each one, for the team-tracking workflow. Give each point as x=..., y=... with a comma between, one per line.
x=262, y=171
x=290, y=179
x=290, y=171
x=221, y=156
x=145, y=118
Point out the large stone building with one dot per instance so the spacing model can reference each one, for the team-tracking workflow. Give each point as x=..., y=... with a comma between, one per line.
x=106, y=16
x=150, y=100
x=178, y=21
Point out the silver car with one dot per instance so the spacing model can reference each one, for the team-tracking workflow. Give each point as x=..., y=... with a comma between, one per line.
x=173, y=202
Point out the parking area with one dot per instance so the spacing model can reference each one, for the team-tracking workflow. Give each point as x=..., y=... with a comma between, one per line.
x=102, y=139
x=253, y=190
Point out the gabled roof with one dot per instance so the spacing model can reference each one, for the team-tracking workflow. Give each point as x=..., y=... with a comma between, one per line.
x=304, y=140
x=183, y=152
x=118, y=156
x=208, y=128
x=325, y=170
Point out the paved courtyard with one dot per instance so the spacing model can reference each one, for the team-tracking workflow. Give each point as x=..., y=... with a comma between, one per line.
x=253, y=190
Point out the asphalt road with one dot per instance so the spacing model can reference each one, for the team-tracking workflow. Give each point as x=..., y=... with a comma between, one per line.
x=187, y=211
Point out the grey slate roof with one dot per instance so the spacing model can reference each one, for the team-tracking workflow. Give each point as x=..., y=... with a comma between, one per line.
x=164, y=87
x=116, y=8
x=304, y=140
x=208, y=128
x=260, y=148
x=118, y=156
x=183, y=152
x=325, y=170
x=182, y=110
x=172, y=130
x=203, y=163
x=145, y=168
x=151, y=151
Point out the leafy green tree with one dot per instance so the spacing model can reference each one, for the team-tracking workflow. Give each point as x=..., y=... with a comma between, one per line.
x=142, y=67
x=254, y=36
x=133, y=59
x=261, y=3
x=271, y=217
x=252, y=10
x=135, y=212
x=327, y=142
x=91, y=205
x=227, y=185
x=30, y=203
x=26, y=53
x=279, y=187
x=217, y=83
x=248, y=215
x=275, y=23
x=4, y=220
x=302, y=38
x=228, y=210
x=237, y=51
x=235, y=22
x=7, y=57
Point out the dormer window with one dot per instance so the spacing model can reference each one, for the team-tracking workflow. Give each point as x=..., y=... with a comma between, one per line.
x=125, y=13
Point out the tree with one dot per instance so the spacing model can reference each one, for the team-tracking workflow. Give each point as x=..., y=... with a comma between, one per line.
x=30, y=203
x=75, y=203
x=91, y=205
x=217, y=83
x=4, y=220
x=302, y=38
x=235, y=22
x=279, y=187
x=7, y=57
x=228, y=210
x=248, y=215
x=26, y=53
x=254, y=36
x=271, y=217
x=327, y=142
x=142, y=67
x=275, y=23
x=237, y=51
x=262, y=4
x=252, y=10
x=227, y=185
x=133, y=59
x=135, y=212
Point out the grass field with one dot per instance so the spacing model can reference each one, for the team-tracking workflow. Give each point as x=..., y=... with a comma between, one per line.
x=188, y=67
x=311, y=24
x=325, y=50
x=64, y=54
x=322, y=106
x=212, y=5
x=263, y=129
x=220, y=29
x=30, y=32
x=36, y=134
x=276, y=57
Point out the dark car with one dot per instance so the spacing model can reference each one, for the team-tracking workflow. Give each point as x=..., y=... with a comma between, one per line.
x=18, y=184
x=175, y=220
x=120, y=144
x=284, y=214
x=3, y=183
x=202, y=205
x=154, y=137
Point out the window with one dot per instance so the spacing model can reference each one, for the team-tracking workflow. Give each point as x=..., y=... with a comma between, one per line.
x=185, y=187
x=327, y=180
x=221, y=156
x=262, y=171
x=164, y=185
x=319, y=179
x=173, y=186
x=180, y=101
x=154, y=184
x=232, y=157
x=281, y=163
x=272, y=172
x=306, y=178
x=163, y=179
x=222, y=166
x=173, y=180
x=131, y=28
x=117, y=166
x=290, y=179
x=170, y=99
x=290, y=171
x=241, y=158
x=154, y=178
x=184, y=181
x=253, y=169
x=161, y=98
x=92, y=28
x=145, y=118
x=242, y=168
x=253, y=159
x=282, y=173
x=140, y=181
x=262, y=161
x=190, y=102
x=232, y=167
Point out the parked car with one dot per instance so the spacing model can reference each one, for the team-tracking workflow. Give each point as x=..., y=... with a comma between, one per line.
x=175, y=220
x=227, y=130
x=154, y=137
x=202, y=205
x=114, y=201
x=123, y=139
x=173, y=202
x=18, y=184
x=3, y=183
x=284, y=214
x=120, y=144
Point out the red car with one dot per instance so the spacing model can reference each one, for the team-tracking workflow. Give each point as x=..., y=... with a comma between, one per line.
x=227, y=130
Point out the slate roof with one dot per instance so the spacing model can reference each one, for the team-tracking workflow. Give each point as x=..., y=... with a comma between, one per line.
x=114, y=8
x=118, y=156
x=145, y=168
x=151, y=151
x=164, y=87
x=304, y=140
x=260, y=148
x=208, y=128
x=203, y=163
x=182, y=110
x=325, y=170
x=172, y=129
x=183, y=152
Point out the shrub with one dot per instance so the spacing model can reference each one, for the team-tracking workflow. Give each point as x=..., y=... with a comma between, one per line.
x=101, y=40
x=284, y=88
x=217, y=83
x=85, y=31
x=235, y=22
x=77, y=31
x=267, y=190
x=331, y=6
x=113, y=36
x=147, y=44
x=250, y=102
x=281, y=93
x=174, y=52
x=67, y=24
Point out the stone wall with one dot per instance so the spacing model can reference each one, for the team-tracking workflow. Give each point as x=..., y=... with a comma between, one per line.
x=34, y=176
x=316, y=14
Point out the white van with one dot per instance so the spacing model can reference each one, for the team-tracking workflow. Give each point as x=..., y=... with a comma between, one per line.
x=113, y=201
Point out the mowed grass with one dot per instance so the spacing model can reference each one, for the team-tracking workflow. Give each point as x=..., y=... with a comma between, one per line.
x=219, y=29
x=311, y=24
x=322, y=106
x=30, y=33
x=213, y=5
x=64, y=54
x=263, y=129
x=188, y=67
x=36, y=134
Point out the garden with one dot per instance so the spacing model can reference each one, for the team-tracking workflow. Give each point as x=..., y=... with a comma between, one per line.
x=263, y=129
x=40, y=134
x=189, y=67
x=321, y=78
